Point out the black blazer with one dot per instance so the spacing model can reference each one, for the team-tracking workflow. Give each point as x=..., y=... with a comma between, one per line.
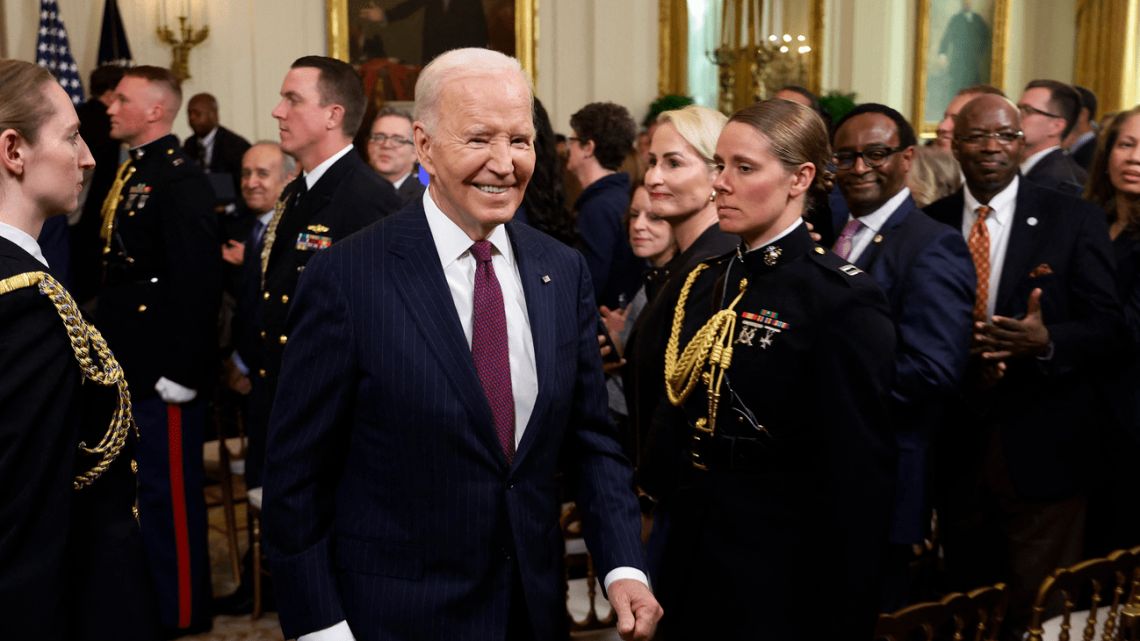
x=411, y=189
x=228, y=150
x=1083, y=154
x=1042, y=409
x=1056, y=170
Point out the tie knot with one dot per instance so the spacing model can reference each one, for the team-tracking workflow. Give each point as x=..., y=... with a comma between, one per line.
x=983, y=211
x=851, y=228
x=481, y=250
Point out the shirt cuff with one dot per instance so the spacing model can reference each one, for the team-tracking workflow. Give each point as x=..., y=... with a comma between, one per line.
x=172, y=392
x=337, y=632
x=623, y=572
x=239, y=363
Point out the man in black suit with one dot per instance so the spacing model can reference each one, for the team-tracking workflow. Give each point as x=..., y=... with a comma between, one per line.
x=322, y=105
x=924, y=268
x=392, y=152
x=218, y=152
x=1048, y=113
x=1016, y=452
x=1081, y=141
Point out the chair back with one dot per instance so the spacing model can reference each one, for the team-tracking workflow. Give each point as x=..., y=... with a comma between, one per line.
x=1105, y=588
x=975, y=616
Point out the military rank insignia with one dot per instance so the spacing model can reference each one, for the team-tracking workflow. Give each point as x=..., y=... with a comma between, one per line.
x=312, y=242
x=760, y=329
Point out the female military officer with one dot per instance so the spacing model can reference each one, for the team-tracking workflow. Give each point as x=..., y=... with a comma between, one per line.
x=777, y=451
x=70, y=561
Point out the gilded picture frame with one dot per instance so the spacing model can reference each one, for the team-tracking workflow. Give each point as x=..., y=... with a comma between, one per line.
x=953, y=51
x=348, y=20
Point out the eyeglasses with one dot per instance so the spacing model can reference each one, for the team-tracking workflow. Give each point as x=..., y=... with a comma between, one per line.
x=384, y=139
x=872, y=156
x=1030, y=110
x=979, y=138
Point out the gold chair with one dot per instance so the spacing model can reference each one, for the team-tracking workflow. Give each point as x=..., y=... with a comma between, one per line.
x=580, y=568
x=975, y=616
x=254, y=496
x=224, y=462
x=1109, y=586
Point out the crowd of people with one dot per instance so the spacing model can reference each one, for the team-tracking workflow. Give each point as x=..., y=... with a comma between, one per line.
x=767, y=354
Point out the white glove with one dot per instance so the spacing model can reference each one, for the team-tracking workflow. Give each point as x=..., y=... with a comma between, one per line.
x=172, y=392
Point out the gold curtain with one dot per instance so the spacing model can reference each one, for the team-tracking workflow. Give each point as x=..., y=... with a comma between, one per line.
x=672, y=47
x=1106, y=60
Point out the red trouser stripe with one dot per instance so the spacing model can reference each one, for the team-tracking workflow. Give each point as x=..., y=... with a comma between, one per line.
x=178, y=502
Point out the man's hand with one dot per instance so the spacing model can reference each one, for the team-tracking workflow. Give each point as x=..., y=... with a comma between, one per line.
x=1012, y=338
x=608, y=366
x=637, y=610
x=812, y=232
x=614, y=320
x=233, y=252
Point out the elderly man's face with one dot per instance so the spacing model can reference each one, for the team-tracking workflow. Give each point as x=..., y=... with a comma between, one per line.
x=480, y=152
x=988, y=145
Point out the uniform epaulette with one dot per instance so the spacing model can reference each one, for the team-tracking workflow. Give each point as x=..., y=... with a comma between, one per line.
x=176, y=160
x=834, y=263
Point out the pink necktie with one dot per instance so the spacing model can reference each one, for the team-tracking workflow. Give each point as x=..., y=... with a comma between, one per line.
x=489, y=347
x=844, y=242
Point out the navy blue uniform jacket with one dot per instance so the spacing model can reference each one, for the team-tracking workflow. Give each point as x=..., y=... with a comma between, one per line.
x=388, y=500
x=925, y=270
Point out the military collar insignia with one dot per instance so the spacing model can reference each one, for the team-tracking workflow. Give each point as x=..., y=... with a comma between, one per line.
x=772, y=255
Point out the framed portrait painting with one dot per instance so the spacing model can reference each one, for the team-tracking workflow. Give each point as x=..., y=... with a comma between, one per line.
x=960, y=43
x=390, y=41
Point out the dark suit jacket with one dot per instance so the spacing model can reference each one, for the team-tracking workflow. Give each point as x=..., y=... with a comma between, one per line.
x=86, y=248
x=226, y=159
x=347, y=198
x=1056, y=170
x=925, y=270
x=1042, y=409
x=1083, y=153
x=388, y=501
x=411, y=188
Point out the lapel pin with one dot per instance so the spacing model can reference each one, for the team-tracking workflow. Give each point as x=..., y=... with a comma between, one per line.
x=546, y=278
x=877, y=239
x=1032, y=221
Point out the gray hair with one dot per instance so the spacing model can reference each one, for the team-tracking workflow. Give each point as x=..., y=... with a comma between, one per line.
x=393, y=111
x=288, y=162
x=472, y=61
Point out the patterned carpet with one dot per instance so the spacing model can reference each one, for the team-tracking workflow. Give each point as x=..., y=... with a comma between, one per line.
x=242, y=628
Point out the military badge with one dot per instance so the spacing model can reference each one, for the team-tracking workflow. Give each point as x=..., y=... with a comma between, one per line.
x=312, y=242
x=772, y=255
x=761, y=328
x=317, y=229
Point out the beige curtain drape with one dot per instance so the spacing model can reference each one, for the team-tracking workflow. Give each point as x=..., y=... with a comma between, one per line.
x=673, y=47
x=1106, y=60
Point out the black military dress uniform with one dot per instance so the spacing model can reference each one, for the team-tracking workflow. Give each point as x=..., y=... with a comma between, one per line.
x=788, y=498
x=71, y=562
x=346, y=198
x=158, y=309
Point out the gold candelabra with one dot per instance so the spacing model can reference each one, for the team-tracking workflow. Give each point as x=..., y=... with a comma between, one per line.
x=750, y=70
x=181, y=45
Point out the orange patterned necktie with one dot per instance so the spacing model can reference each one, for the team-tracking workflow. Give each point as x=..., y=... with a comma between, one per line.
x=979, y=243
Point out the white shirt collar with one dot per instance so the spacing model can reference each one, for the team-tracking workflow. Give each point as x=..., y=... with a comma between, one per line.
x=399, y=183
x=452, y=243
x=23, y=241
x=875, y=220
x=1029, y=162
x=208, y=139
x=1082, y=139
x=1002, y=203
x=787, y=230
x=266, y=217
x=311, y=177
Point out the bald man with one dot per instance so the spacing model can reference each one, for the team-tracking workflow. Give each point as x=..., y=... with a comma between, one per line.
x=158, y=308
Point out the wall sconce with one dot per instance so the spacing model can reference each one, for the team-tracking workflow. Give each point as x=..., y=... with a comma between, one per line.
x=186, y=37
x=751, y=68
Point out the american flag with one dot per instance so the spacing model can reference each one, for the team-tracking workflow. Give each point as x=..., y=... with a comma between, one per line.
x=54, y=53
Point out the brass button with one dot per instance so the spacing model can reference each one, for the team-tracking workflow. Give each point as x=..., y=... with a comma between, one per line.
x=134, y=466
x=130, y=214
x=284, y=339
x=265, y=296
x=169, y=152
x=263, y=333
x=130, y=261
x=820, y=250
x=135, y=511
x=300, y=269
x=261, y=373
x=142, y=308
x=285, y=298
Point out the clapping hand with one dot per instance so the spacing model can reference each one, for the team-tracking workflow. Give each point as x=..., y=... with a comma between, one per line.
x=1009, y=338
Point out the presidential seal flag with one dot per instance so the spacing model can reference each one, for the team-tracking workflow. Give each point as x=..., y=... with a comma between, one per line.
x=54, y=53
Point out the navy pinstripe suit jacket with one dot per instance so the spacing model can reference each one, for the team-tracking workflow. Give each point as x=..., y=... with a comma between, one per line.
x=388, y=501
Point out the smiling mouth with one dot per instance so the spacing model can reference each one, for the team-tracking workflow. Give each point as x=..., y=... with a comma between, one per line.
x=491, y=189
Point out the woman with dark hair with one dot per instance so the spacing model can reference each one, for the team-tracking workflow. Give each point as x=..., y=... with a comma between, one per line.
x=773, y=491
x=70, y=556
x=1114, y=184
x=544, y=204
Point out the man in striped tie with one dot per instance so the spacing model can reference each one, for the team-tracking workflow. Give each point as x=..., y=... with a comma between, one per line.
x=1017, y=450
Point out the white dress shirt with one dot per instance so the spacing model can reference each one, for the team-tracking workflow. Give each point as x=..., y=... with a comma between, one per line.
x=872, y=223
x=400, y=183
x=23, y=240
x=207, y=143
x=998, y=224
x=454, y=248
x=1028, y=163
x=311, y=177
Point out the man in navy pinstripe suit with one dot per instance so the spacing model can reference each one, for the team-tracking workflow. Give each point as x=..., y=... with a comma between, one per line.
x=442, y=367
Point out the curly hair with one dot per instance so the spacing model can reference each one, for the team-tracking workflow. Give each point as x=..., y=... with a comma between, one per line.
x=544, y=200
x=610, y=127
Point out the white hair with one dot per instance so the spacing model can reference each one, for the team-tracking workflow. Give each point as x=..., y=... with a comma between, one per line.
x=469, y=62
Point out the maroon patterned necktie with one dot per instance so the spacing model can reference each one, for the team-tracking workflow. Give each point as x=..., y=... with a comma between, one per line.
x=489, y=347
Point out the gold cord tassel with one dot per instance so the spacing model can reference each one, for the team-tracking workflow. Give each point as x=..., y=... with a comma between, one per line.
x=106, y=372
x=711, y=346
x=111, y=203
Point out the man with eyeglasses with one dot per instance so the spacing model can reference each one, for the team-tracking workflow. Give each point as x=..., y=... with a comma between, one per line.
x=1049, y=111
x=924, y=269
x=392, y=153
x=1016, y=448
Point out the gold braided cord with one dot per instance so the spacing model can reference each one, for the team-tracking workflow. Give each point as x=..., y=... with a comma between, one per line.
x=270, y=236
x=711, y=346
x=111, y=203
x=106, y=372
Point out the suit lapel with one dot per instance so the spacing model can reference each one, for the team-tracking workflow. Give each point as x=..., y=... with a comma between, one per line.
x=419, y=278
x=1023, y=239
x=541, y=309
x=884, y=235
